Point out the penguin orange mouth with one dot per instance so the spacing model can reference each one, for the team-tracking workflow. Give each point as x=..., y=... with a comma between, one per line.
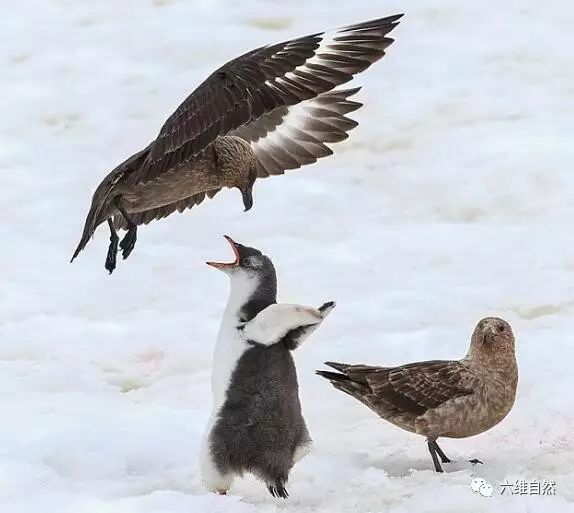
x=227, y=265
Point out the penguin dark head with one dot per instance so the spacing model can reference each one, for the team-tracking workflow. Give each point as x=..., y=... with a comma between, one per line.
x=253, y=280
x=249, y=262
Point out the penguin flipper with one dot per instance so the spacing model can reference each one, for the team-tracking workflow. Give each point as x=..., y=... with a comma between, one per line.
x=273, y=323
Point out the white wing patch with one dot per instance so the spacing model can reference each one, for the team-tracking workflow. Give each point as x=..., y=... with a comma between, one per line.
x=301, y=136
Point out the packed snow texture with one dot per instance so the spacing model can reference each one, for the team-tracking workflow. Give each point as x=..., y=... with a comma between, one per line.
x=453, y=200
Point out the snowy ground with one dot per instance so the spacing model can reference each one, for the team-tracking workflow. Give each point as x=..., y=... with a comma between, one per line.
x=453, y=200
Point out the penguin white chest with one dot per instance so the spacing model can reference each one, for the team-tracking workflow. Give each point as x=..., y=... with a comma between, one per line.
x=229, y=348
x=230, y=344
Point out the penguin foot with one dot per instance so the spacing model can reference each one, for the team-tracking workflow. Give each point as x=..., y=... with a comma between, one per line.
x=278, y=489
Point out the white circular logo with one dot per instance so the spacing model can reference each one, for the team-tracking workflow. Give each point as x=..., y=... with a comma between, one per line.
x=476, y=483
x=482, y=486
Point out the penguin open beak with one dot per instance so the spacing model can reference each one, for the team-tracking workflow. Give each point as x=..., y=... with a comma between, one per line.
x=224, y=266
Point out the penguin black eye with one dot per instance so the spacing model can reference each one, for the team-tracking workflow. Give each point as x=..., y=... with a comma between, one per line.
x=249, y=262
x=501, y=328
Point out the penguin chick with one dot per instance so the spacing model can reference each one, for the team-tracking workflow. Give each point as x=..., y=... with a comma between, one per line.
x=256, y=424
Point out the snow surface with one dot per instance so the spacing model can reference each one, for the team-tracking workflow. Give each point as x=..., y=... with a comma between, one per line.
x=453, y=200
